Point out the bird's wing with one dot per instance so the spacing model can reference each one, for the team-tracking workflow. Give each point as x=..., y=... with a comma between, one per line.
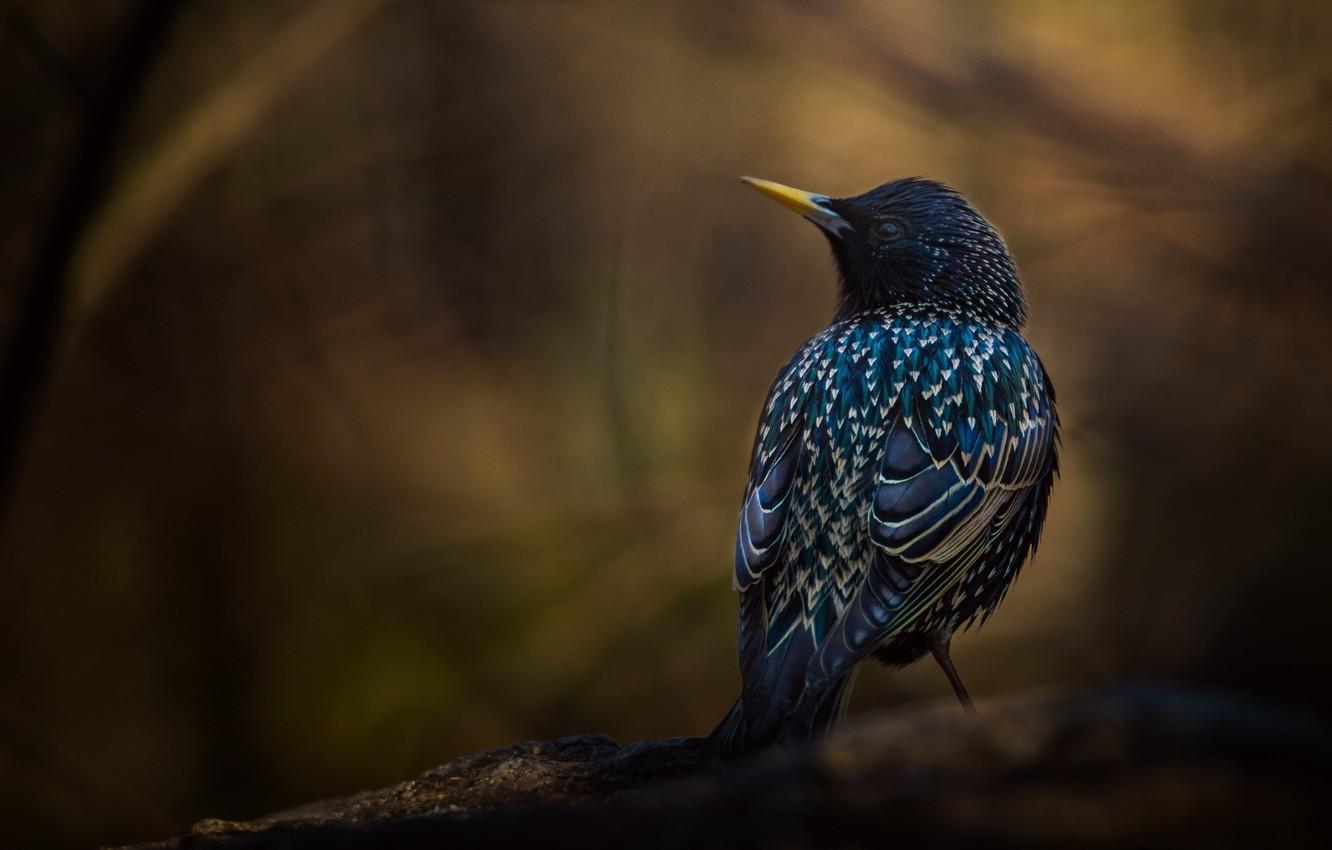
x=961, y=458
x=934, y=517
x=762, y=525
x=940, y=505
x=761, y=530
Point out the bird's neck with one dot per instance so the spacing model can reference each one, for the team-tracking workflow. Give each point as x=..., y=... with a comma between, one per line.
x=986, y=291
x=850, y=308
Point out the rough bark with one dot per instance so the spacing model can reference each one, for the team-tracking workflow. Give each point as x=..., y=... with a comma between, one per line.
x=1130, y=767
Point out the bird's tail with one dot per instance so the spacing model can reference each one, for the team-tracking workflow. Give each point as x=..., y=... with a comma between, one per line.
x=778, y=707
x=729, y=736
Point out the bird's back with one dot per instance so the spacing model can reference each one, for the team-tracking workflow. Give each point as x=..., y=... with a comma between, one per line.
x=899, y=478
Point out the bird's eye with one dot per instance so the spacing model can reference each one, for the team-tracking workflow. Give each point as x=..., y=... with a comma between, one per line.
x=888, y=231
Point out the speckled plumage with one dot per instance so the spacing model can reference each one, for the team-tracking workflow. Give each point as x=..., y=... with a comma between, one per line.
x=902, y=466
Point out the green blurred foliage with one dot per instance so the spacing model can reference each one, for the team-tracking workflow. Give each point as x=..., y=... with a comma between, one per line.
x=409, y=413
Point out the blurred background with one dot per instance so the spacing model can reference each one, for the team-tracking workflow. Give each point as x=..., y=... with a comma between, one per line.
x=408, y=358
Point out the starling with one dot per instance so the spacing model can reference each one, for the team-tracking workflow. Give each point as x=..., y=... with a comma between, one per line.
x=902, y=466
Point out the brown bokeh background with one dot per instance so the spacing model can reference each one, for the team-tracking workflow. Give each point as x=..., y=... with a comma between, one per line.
x=405, y=388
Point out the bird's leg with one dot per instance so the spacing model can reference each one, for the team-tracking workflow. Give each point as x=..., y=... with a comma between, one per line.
x=940, y=650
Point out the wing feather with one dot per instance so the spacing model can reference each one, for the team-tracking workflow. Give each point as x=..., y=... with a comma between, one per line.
x=942, y=512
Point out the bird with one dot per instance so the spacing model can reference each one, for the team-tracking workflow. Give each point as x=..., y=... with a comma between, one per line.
x=902, y=466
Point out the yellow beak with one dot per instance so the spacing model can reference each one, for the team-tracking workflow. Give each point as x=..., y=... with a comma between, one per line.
x=811, y=206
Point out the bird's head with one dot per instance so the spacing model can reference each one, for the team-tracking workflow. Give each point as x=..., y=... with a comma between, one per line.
x=913, y=241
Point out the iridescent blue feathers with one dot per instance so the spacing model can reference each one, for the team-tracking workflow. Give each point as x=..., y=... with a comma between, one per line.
x=899, y=479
